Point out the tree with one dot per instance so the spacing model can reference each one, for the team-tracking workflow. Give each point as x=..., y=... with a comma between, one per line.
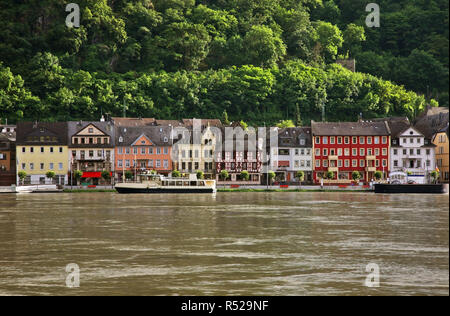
x=378, y=175
x=224, y=175
x=300, y=176
x=245, y=176
x=176, y=174
x=285, y=124
x=77, y=175
x=330, y=39
x=128, y=175
x=271, y=176
x=353, y=36
x=50, y=175
x=435, y=175
x=106, y=175
x=263, y=47
x=329, y=175
x=356, y=175
x=200, y=175
x=22, y=175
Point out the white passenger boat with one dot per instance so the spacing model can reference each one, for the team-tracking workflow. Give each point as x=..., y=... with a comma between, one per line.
x=150, y=183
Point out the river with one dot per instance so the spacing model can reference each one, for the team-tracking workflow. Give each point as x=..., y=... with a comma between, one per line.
x=316, y=243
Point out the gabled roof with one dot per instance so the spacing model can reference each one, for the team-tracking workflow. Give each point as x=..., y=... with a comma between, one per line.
x=362, y=128
x=149, y=141
x=127, y=136
x=106, y=128
x=31, y=133
x=432, y=120
x=290, y=137
x=130, y=121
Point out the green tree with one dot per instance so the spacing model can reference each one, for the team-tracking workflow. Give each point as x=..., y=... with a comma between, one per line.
x=77, y=174
x=356, y=176
x=245, y=176
x=435, y=175
x=300, y=176
x=176, y=174
x=50, y=175
x=285, y=124
x=22, y=175
x=200, y=175
x=106, y=175
x=224, y=175
x=330, y=39
x=329, y=175
x=378, y=175
x=128, y=175
x=353, y=36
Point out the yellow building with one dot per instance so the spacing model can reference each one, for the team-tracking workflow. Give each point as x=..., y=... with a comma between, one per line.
x=42, y=147
x=441, y=140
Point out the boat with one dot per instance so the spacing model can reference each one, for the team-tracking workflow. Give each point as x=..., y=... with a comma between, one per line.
x=401, y=182
x=152, y=183
x=411, y=188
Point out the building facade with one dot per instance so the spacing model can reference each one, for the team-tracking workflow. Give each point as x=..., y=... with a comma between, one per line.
x=42, y=147
x=414, y=154
x=91, y=146
x=238, y=153
x=441, y=141
x=291, y=154
x=344, y=147
x=7, y=158
x=141, y=149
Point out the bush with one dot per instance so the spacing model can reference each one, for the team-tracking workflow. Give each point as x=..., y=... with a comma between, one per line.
x=329, y=175
x=378, y=175
x=200, y=175
x=356, y=176
x=176, y=174
x=300, y=176
x=224, y=175
x=128, y=175
x=245, y=176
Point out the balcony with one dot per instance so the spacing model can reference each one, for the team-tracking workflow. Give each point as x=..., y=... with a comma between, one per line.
x=371, y=169
x=333, y=157
x=333, y=169
x=371, y=157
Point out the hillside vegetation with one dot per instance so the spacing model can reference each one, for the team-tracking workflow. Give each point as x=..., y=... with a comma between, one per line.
x=261, y=61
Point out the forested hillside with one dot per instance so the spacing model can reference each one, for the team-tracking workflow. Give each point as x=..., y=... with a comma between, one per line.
x=255, y=60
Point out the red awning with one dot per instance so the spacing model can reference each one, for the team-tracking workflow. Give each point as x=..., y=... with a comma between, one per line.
x=283, y=163
x=93, y=174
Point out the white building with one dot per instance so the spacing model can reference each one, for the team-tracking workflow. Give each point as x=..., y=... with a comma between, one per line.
x=413, y=153
x=293, y=153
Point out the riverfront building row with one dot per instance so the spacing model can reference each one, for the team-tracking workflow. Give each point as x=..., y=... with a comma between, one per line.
x=114, y=149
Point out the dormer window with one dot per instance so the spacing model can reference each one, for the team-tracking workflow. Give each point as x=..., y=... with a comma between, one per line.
x=166, y=139
x=120, y=139
x=302, y=141
x=411, y=133
x=90, y=130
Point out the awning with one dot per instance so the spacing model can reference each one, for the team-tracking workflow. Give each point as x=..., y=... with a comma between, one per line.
x=93, y=174
x=283, y=163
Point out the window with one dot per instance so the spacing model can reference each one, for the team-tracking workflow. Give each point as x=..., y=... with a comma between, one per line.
x=354, y=140
x=411, y=140
x=317, y=152
x=127, y=163
x=411, y=151
x=418, y=140
x=384, y=163
x=369, y=151
x=283, y=152
x=325, y=163
x=42, y=149
x=302, y=142
x=120, y=150
x=346, y=140
x=127, y=150
x=384, y=151
x=369, y=140
x=196, y=154
x=296, y=151
x=377, y=163
x=166, y=150
x=325, y=139
x=120, y=163
x=158, y=163
x=150, y=150
x=361, y=163
x=60, y=149
x=90, y=130
x=395, y=152
x=361, y=140
x=428, y=163
x=150, y=163
x=31, y=166
x=99, y=140
x=325, y=152
x=23, y=149
x=308, y=163
x=354, y=152
x=362, y=152
x=51, y=166
x=339, y=140
x=135, y=150
x=339, y=151
x=354, y=163
x=339, y=163
x=317, y=163
x=347, y=152
x=31, y=149
x=42, y=166
x=166, y=164
x=143, y=150
x=376, y=140
x=346, y=163
x=23, y=166
x=404, y=152
x=418, y=151
x=91, y=153
x=332, y=140
x=395, y=163
x=105, y=140
x=317, y=140
x=158, y=151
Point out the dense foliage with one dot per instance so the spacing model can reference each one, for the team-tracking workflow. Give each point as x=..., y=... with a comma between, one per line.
x=257, y=60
